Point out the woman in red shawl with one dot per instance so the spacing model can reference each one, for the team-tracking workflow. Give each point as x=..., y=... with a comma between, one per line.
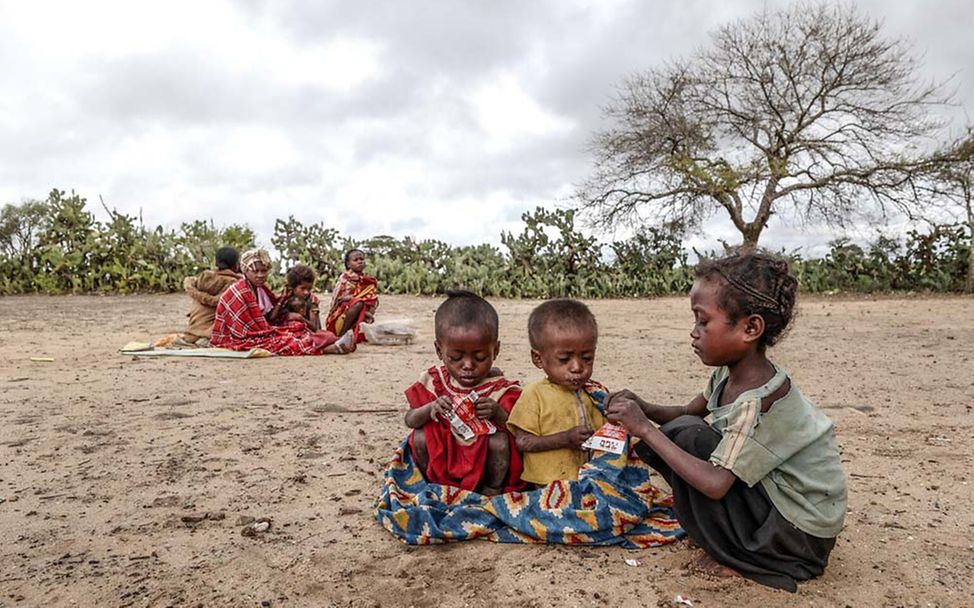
x=354, y=298
x=245, y=307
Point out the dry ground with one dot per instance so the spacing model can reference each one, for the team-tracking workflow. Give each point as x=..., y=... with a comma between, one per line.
x=101, y=456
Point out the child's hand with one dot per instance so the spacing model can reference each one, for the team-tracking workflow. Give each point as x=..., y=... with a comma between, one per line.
x=486, y=408
x=440, y=407
x=625, y=410
x=578, y=435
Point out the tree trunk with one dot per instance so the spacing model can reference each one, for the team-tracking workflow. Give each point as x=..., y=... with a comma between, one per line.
x=752, y=230
x=749, y=237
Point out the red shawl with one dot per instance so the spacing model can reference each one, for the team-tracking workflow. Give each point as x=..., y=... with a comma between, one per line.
x=240, y=325
x=357, y=288
x=449, y=462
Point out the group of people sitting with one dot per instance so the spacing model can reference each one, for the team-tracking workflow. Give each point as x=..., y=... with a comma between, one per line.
x=760, y=488
x=234, y=308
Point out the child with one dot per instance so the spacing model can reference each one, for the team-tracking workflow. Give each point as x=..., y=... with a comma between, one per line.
x=760, y=489
x=354, y=298
x=466, y=329
x=205, y=290
x=298, y=303
x=555, y=416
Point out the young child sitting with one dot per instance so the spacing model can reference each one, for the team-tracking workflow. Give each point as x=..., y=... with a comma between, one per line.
x=555, y=416
x=354, y=298
x=466, y=329
x=298, y=303
x=760, y=489
x=205, y=290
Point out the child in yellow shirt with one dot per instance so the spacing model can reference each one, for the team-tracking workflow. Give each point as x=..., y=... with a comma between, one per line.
x=553, y=418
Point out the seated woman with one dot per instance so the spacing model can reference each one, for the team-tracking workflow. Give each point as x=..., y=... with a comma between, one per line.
x=354, y=298
x=245, y=307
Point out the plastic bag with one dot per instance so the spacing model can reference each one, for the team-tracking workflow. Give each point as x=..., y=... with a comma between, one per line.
x=389, y=333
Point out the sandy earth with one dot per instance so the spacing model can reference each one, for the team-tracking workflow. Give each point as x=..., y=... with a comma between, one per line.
x=102, y=456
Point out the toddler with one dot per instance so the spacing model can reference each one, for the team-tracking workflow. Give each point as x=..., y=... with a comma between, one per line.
x=555, y=416
x=466, y=329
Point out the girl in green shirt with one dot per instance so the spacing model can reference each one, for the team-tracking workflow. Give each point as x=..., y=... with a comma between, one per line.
x=760, y=489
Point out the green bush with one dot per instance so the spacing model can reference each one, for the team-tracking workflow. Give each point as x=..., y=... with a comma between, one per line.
x=57, y=246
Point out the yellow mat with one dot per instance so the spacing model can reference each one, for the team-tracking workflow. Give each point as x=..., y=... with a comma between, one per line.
x=146, y=349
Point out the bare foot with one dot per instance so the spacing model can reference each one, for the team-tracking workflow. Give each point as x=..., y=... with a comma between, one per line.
x=344, y=345
x=710, y=567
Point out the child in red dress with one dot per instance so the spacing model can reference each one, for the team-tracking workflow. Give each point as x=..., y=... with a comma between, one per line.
x=354, y=298
x=466, y=329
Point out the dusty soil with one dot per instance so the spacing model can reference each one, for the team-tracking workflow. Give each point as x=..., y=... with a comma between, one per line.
x=103, y=457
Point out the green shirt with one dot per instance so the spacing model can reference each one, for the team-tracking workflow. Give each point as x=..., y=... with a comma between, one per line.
x=790, y=449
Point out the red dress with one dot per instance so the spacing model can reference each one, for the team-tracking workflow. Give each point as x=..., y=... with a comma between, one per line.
x=450, y=462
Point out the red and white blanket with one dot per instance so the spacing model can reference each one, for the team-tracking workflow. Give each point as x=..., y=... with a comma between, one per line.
x=240, y=325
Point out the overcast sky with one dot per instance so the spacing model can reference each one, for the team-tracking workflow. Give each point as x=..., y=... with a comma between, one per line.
x=441, y=120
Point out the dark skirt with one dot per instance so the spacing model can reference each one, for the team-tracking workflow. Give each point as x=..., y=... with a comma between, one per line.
x=743, y=530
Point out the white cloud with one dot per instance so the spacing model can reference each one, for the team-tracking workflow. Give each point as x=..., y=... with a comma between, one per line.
x=508, y=116
x=438, y=120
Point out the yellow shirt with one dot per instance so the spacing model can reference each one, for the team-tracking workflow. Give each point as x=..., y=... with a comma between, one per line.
x=545, y=409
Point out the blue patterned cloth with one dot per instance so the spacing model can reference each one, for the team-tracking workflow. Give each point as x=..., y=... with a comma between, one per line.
x=612, y=503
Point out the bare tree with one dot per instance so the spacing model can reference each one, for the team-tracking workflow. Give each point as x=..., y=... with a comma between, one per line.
x=809, y=110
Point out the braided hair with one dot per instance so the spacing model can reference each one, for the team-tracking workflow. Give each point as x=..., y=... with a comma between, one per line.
x=754, y=284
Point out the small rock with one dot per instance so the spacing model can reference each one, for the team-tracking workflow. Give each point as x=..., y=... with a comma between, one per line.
x=243, y=520
x=165, y=501
x=259, y=526
x=349, y=511
x=248, y=531
x=193, y=518
x=216, y=515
